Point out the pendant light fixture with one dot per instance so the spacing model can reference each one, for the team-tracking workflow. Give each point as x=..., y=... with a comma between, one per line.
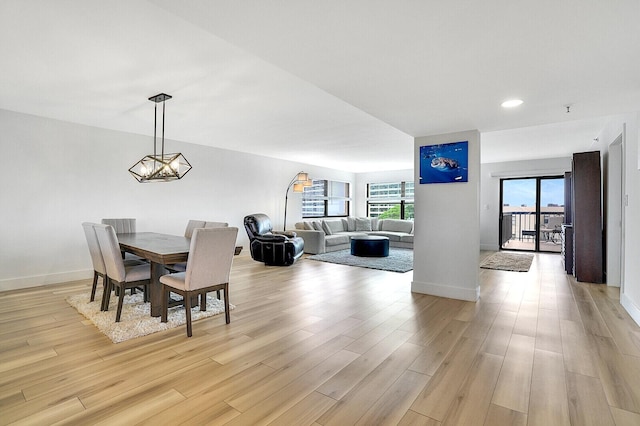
x=163, y=167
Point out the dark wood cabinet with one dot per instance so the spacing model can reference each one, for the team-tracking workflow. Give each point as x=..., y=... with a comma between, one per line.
x=586, y=205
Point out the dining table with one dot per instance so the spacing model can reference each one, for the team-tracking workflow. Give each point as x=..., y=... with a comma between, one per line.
x=160, y=250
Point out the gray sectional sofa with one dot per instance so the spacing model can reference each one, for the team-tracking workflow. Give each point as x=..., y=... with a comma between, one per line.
x=327, y=235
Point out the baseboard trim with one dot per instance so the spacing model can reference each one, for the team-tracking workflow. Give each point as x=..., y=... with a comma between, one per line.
x=630, y=307
x=40, y=280
x=449, y=291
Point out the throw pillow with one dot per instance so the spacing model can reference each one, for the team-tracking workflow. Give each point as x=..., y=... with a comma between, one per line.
x=351, y=224
x=363, y=224
x=326, y=228
x=334, y=226
x=317, y=225
x=308, y=226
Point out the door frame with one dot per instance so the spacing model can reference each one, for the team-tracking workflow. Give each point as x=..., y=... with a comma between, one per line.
x=537, y=213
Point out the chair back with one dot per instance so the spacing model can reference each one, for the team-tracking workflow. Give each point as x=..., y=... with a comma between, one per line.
x=121, y=226
x=257, y=224
x=110, y=252
x=216, y=224
x=210, y=257
x=191, y=225
x=94, y=248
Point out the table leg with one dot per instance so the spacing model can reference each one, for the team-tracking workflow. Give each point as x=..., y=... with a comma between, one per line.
x=155, y=289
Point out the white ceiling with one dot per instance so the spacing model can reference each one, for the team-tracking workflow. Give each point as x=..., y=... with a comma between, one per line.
x=344, y=84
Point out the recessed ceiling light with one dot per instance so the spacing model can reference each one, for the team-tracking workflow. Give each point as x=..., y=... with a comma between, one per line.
x=511, y=103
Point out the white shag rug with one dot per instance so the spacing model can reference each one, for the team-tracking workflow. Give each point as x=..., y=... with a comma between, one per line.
x=136, y=319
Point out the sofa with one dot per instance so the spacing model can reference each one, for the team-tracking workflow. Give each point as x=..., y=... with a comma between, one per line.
x=327, y=235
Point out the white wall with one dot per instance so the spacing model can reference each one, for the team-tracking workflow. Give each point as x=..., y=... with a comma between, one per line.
x=630, y=280
x=58, y=175
x=490, y=191
x=447, y=227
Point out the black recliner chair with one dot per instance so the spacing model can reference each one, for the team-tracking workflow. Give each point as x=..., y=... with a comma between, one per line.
x=279, y=249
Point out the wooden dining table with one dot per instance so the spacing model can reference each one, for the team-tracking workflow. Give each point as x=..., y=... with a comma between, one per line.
x=160, y=250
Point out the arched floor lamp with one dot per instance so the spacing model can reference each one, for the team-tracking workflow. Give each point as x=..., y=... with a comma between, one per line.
x=299, y=181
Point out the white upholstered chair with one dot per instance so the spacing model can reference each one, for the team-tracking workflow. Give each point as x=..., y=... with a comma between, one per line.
x=208, y=268
x=193, y=224
x=124, y=226
x=99, y=269
x=188, y=232
x=121, y=225
x=96, y=257
x=119, y=275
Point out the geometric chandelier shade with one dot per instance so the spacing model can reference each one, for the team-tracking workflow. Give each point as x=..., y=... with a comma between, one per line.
x=155, y=168
x=162, y=167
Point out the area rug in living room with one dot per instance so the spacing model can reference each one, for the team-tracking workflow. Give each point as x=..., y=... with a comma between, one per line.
x=399, y=260
x=136, y=319
x=517, y=262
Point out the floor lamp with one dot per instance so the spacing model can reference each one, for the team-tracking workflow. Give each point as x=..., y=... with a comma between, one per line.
x=299, y=181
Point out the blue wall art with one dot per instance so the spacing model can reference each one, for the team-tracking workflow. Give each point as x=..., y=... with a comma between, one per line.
x=444, y=163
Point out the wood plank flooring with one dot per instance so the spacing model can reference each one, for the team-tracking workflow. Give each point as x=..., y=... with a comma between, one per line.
x=324, y=344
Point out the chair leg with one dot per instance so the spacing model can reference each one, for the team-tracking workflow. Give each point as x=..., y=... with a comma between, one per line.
x=120, y=301
x=203, y=301
x=165, y=304
x=93, y=286
x=187, y=311
x=218, y=294
x=146, y=293
x=227, y=315
x=106, y=296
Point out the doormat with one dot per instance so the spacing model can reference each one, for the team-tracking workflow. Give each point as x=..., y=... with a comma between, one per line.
x=508, y=262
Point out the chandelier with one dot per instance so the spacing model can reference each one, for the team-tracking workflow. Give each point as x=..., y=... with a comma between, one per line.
x=163, y=167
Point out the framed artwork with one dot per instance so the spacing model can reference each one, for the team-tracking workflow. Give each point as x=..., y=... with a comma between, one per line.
x=444, y=163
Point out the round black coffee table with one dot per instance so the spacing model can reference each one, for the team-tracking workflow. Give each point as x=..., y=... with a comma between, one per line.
x=370, y=246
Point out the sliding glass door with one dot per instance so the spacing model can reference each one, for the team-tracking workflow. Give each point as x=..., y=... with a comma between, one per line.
x=531, y=213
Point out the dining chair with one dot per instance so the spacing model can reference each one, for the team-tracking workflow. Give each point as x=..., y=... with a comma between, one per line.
x=119, y=275
x=208, y=268
x=121, y=225
x=191, y=226
x=99, y=269
x=124, y=226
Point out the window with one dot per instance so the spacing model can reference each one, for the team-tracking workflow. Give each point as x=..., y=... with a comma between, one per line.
x=326, y=198
x=390, y=200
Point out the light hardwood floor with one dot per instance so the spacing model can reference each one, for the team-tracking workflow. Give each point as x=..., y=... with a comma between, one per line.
x=325, y=344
